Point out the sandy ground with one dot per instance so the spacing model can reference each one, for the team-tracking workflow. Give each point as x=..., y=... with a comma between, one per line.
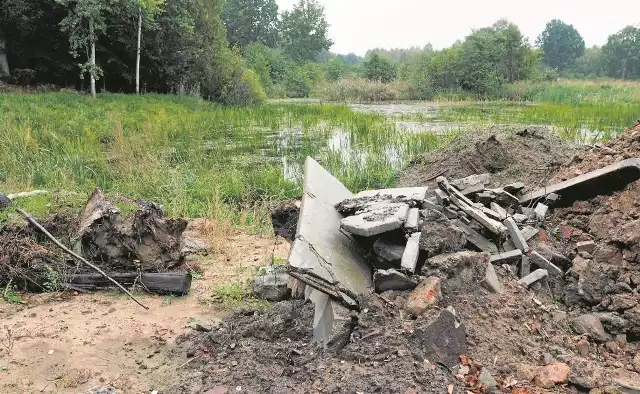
x=70, y=343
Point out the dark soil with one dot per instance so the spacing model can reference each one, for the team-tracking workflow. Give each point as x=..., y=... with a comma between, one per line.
x=530, y=155
x=284, y=218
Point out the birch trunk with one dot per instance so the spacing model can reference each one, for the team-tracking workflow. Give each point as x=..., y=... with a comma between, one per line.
x=4, y=63
x=93, y=65
x=138, y=52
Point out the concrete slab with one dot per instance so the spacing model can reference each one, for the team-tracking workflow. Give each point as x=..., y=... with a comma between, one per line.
x=516, y=235
x=491, y=280
x=321, y=255
x=441, y=197
x=323, y=317
x=502, y=213
x=604, y=180
x=540, y=261
x=476, y=238
x=500, y=258
x=529, y=232
x=411, y=253
x=413, y=218
x=385, y=280
x=410, y=193
x=533, y=277
x=381, y=218
x=473, y=182
x=525, y=266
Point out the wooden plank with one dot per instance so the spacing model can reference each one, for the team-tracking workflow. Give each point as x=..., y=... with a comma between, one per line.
x=160, y=283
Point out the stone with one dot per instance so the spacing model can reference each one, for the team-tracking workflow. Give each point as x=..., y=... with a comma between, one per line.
x=193, y=246
x=595, y=281
x=272, y=286
x=442, y=198
x=512, y=255
x=378, y=218
x=439, y=235
x=591, y=326
x=200, y=325
x=108, y=389
x=388, y=251
x=385, y=280
x=547, y=359
x=541, y=211
x=541, y=262
x=627, y=384
x=583, y=347
x=321, y=255
x=459, y=271
x=417, y=194
x=550, y=375
x=586, y=246
x=411, y=253
x=636, y=362
x=476, y=239
x=441, y=338
x=552, y=255
x=633, y=315
x=529, y=232
x=514, y=188
x=479, y=216
x=520, y=218
x=533, y=277
x=473, y=180
x=502, y=213
x=552, y=198
x=586, y=374
x=578, y=266
x=491, y=280
x=412, y=223
x=516, y=235
x=426, y=294
x=488, y=381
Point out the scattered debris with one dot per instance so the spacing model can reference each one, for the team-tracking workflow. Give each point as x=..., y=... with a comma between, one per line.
x=385, y=280
x=272, y=285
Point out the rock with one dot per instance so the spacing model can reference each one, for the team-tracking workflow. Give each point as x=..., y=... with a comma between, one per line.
x=583, y=347
x=488, y=380
x=586, y=374
x=552, y=374
x=595, y=281
x=491, y=280
x=427, y=294
x=586, y=246
x=533, y=277
x=636, y=362
x=541, y=211
x=516, y=235
x=200, y=325
x=547, y=359
x=376, y=218
x=193, y=246
x=272, y=286
x=578, y=266
x=591, y=326
x=385, y=280
x=388, y=251
x=514, y=188
x=613, y=322
x=411, y=225
x=441, y=339
x=623, y=301
x=474, y=238
x=633, y=315
x=439, y=235
x=525, y=266
x=458, y=269
x=627, y=384
x=5, y=202
x=411, y=253
x=552, y=198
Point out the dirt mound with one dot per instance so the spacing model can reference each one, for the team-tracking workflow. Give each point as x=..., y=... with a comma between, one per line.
x=530, y=155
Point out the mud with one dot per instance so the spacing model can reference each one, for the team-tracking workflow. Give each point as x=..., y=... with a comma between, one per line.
x=284, y=218
x=509, y=155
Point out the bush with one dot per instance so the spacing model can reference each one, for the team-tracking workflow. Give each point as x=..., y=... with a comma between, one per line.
x=297, y=82
x=245, y=89
x=362, y=90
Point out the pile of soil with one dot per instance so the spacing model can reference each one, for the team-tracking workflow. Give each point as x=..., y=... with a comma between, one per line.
x=530, y=155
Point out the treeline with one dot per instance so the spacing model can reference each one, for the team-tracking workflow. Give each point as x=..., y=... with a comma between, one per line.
x=240, y=51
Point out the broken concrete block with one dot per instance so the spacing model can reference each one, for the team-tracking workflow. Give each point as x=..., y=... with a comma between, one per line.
x=493, y=215
x=427, y=294
x=409, y=193
x=533, y=277
x=450, y=213
x=431, y=204
x=439, y=235
x=321, y=255
x=506, y=256
x=590, y=325
x=272, y=286
x=476, y=239
x=463, y=183
x=505, y=198
x=472, y=189
x=516, y=235
x=479, y=216
x=520, y=218
x=508, y=246
x=540, y=261
x=411, y=225
x=411, y=253
x=529, y=232
x=441, y=338
x=502, y=213
x=485, y=198
x=586, y=246
x=388, y=251
x=385, y=280
x=491, y=280
x=323, y=317
x=464, y=219
x=381, y=218
x=442, y=198
x=541, y=211
x=514, y=188
x=525, y=266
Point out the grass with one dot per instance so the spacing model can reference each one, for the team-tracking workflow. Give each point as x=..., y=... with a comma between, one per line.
x=196, y=158
x=575, y=92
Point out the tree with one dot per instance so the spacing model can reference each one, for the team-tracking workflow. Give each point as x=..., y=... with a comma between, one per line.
x=304, y=31
x=147, y=11
x=561, y=44
x=85, y=22
x=480, y=62
x=250, y=21
x=379, y=68
x=622, y=54
x=337, y=69
x=591, y=64
x=513, y=49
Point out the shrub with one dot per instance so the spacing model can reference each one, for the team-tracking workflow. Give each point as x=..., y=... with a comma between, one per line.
x=362, y=90
x=244, y=89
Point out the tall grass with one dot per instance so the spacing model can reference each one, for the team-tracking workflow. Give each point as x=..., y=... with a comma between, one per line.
x=196, y=158
x=574, y=92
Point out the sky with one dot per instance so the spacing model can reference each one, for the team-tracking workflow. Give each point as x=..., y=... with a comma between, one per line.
x=359, y=25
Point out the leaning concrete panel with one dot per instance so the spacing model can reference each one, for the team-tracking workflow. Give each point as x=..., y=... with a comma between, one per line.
x=321, y=255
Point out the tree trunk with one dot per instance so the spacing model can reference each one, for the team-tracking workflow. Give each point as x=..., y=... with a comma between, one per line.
x=93, y=65
x=138, y=53
x=4, y=63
